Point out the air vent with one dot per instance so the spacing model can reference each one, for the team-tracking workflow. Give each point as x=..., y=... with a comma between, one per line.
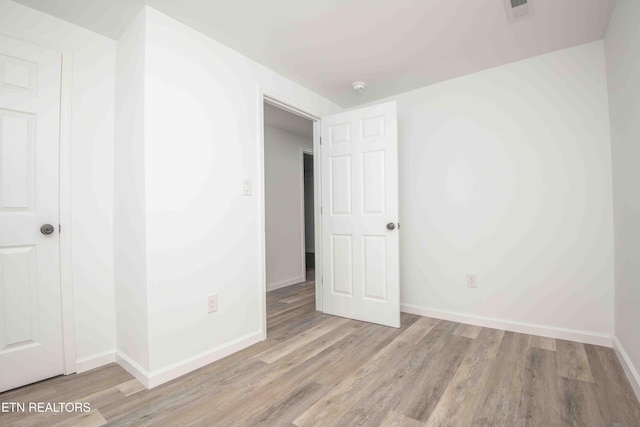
x=518, y=9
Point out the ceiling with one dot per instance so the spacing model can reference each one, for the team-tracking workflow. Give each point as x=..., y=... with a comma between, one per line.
x=274, y=116
x=392, y=45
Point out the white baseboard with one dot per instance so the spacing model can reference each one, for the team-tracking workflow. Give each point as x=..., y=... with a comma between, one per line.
x=133, y=368
x=584, y=337
x=88, y=363
x=161, y=376
x=629, y=369
x=179, y=369
x=285, y=283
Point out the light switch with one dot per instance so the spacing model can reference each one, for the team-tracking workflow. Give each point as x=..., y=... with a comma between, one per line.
x=246, y=187
x=212, y=303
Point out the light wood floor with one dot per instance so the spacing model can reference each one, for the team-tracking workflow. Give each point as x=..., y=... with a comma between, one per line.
x=319, y=370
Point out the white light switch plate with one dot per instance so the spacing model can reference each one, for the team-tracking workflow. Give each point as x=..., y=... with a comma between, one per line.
x=212, y=304
x=246, y=187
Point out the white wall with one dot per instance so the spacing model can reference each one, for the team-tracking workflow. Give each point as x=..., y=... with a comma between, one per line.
x=506, y=173
x=622, y=44
x=202, y=109
x=131, y=293
x=92, y=114
x=284, y=206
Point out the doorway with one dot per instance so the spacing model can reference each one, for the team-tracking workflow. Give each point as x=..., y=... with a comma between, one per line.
x=309, y=229
x=356, y=182
x=289, y=216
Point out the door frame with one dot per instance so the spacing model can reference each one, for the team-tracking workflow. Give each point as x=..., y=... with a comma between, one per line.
x=64, y=171
x=264, y=96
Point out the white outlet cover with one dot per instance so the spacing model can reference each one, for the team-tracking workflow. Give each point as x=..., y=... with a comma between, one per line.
x=472, y=281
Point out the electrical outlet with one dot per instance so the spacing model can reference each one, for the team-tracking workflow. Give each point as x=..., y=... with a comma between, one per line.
x=212, y=304
x=472, y=281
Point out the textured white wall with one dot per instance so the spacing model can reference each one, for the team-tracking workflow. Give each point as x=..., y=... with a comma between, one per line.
x=622, y=45
x=129, y=198
x=506, y=173
x=202, y=106
x=91, y=170
x=284, y=204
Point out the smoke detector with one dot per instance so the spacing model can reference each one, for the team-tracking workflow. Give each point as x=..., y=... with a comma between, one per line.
x=359, y=86
x=518, y=9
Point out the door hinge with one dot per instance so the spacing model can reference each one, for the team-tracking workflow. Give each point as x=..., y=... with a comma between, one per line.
x=59, y=229
x=320, y=140
x=320, y=210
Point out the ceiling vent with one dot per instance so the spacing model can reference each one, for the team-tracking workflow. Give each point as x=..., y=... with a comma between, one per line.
x=518, y=9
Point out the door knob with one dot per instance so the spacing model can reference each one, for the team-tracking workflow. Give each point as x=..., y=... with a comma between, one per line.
x=391, y=226
x=47, y=229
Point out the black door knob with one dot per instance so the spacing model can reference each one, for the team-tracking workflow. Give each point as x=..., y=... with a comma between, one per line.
x=391, y=226
x=47, y=229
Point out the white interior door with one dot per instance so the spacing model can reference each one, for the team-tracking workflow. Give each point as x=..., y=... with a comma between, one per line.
x=360, y=274
x=30, y=311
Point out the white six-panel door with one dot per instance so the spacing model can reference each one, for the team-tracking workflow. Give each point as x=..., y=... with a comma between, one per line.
x=359, y=206
x=30, y=309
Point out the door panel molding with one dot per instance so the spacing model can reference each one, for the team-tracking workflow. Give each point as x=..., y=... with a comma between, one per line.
x=65, y=196
x=360, y=207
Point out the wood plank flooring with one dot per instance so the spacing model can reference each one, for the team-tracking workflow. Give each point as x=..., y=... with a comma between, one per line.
x=319, y=370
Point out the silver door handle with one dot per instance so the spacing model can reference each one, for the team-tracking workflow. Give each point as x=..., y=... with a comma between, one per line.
x=47, y=229
x=391, y=226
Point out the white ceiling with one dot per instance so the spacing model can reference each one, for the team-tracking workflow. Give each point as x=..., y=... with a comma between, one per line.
x=393, y=45
x=276, y=117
